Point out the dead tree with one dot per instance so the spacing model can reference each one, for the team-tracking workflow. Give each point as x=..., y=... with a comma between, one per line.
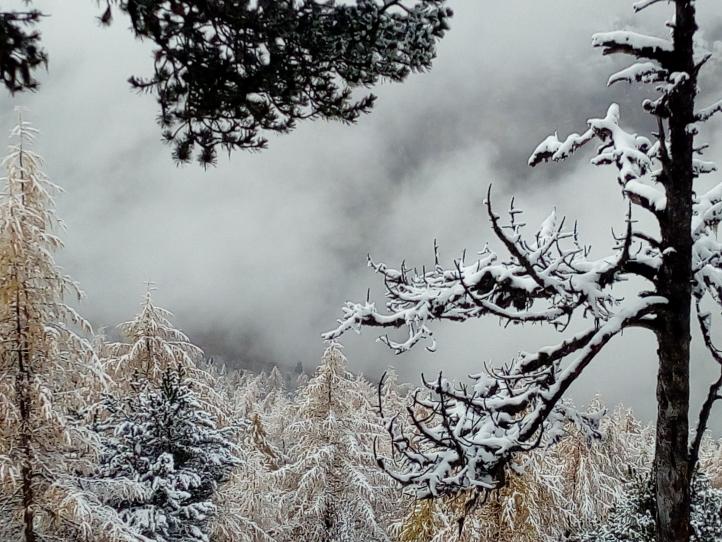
x=469, y=435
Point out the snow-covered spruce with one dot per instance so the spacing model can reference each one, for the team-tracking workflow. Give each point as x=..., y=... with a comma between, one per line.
x=632, y=519
x=167, y=455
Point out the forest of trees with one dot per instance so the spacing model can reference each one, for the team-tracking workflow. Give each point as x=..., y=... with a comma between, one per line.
x=143, y=439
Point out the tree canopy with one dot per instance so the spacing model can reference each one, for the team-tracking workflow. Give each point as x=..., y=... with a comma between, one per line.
x=228, y=73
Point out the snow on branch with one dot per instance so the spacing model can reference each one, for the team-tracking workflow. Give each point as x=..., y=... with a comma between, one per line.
x=644, y=4
x=707, y=287
x=464, y=436
x=640, y=72
x=708, y=112
x=631, y=43
x=633, y=156
x=545, y=278
x=467, y=436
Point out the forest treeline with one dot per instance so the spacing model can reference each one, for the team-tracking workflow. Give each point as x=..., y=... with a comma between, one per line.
x=143, y=439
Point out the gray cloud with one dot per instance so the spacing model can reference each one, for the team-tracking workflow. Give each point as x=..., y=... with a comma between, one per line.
x=256, y=256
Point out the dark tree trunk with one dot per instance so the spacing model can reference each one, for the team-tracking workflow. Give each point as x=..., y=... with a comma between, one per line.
x=28, y=502
x=674, y=282
x=24, y=403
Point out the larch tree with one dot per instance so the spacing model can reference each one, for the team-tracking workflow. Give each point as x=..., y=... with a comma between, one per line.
x=275, y=390
x=549, y=277
x=48, y=369
x=152, y=345
x=248, y=504
x=228, y=73
x=557, y=493
x=334, y=486
x=275, y=413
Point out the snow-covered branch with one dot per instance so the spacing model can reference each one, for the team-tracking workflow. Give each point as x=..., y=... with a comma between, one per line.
x=633, y=156
x=644, y=4
x=466, y=437
x=545, y=278
x=708, y=112
x=631, y=43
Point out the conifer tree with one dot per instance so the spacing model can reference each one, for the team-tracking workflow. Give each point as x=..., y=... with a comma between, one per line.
x=275, y=390
x=153, y=346
x=20, y=51
x=228, y=72
x=556, y=493
x=427, y=521
x=161, y=389
x=633, y=516
x=276, y=412
x=335, y=487
x=164, y=442
x=49, y=370
x=248, y=504
x=253, y=393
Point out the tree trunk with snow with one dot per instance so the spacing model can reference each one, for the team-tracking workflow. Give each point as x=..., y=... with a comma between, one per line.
x=471, y=436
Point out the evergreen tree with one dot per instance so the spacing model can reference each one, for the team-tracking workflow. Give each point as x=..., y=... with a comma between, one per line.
x=632, y=519
x=152, y=346
x=20, y=50
x=166, y=443
x=49, y=371
x=334, y=487
x=228, y=72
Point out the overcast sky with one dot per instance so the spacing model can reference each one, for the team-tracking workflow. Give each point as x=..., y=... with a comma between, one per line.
x=257, y=255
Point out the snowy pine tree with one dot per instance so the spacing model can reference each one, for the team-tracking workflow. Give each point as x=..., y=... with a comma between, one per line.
x=170, y=448
x=632, y=519
x=279, y=62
